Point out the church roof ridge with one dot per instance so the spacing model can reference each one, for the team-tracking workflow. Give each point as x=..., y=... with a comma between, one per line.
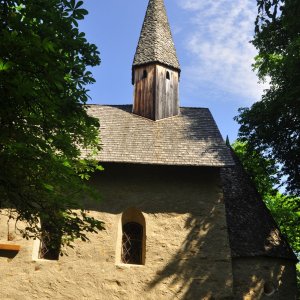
x=156, y=42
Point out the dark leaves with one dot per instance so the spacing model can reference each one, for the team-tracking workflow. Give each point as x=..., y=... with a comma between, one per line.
x=43, y=74
x=271, y=126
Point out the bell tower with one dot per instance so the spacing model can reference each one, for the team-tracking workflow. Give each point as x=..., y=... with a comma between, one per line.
x=155, y=69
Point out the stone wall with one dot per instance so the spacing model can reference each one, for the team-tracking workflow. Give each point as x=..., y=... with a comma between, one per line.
x=187, y=250
x=264, y=278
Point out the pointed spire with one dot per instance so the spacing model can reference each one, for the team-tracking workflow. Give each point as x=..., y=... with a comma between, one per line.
x=156, y=42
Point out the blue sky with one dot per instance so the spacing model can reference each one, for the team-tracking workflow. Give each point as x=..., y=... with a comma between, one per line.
x=212, y=42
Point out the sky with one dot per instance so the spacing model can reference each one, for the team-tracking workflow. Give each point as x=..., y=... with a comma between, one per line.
x=212, y=39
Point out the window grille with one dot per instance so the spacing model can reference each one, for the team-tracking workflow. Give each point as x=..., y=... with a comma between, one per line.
x=132, y=243
x=50, y=244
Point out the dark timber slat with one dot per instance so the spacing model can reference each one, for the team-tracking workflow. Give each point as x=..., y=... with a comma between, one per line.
x=155, y=96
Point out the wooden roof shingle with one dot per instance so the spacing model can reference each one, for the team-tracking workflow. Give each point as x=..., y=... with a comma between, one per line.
x=251, y=228
x=156, y=42
x=192, y=138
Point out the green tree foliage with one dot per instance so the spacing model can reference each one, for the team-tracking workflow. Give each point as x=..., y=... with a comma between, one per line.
x=261, y=171
x=284, y=209
x=286, y=212
x=272, y=126
x=43, y=120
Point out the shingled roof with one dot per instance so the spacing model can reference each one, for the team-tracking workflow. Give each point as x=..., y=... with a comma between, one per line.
x=251, y=228
x=192, y=138
x=156, y=43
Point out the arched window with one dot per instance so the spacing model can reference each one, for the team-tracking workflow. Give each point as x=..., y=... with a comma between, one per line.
x=50, y=242
x=132, y=243
x=131, y=240
x=49, y=249
x=145, y=74
x=168, y=75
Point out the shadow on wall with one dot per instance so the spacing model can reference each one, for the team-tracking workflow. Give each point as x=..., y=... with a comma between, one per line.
x=191, y=274
x=201, y=268
x=188, y=254
x=8, y=254
x=264, y=278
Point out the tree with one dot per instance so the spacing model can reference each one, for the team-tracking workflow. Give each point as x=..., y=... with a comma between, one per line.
x=284, y=209
x=43, y=120
x=261, y=171
x=272, y=126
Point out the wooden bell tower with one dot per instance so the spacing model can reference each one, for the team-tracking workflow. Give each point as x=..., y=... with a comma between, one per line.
x=156, y=70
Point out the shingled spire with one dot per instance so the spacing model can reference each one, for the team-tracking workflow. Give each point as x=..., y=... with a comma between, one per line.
x=156, y=42
x=155, y=69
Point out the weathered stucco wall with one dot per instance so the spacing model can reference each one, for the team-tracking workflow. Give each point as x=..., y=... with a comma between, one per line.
x=187, y=250
x=264, y=278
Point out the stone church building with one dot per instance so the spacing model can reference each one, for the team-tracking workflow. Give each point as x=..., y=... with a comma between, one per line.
x=183, y=220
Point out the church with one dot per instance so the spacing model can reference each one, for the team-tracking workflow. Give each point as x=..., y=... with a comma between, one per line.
x=183, y=219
